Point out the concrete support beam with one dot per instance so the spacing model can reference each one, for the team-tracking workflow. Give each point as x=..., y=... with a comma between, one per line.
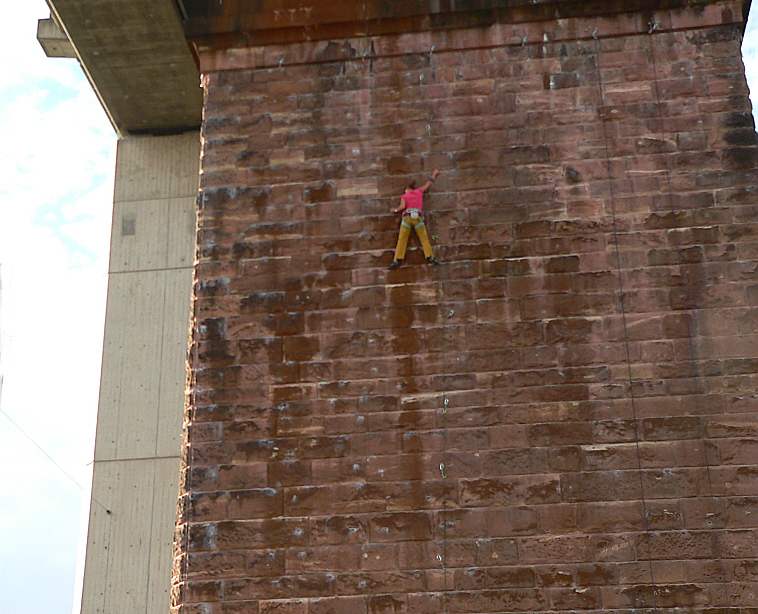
x=137, y=60
x=53, y=40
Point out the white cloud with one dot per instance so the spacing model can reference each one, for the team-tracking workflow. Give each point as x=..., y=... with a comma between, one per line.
x=54, y=153
x=57, y=156
x=19, y=41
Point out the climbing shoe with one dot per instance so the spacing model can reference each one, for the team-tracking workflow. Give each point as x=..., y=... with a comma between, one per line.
x=395, y=264
x=432, y=260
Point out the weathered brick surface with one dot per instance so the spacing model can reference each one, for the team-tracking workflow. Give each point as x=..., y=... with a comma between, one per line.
x=562, y=416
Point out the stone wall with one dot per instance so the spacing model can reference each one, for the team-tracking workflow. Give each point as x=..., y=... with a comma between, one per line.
x=561, y=416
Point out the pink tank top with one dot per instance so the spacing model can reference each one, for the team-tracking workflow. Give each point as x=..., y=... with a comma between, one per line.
x=414, y=199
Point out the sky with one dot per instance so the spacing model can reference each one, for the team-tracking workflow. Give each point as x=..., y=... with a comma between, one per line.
x=57, y=155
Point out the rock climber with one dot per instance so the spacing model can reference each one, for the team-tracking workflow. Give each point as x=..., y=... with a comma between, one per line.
x=411, y=203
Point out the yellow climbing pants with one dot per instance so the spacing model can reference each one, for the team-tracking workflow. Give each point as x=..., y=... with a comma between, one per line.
x=405, y=231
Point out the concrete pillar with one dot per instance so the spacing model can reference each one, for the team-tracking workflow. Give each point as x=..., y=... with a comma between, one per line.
x=138, y=440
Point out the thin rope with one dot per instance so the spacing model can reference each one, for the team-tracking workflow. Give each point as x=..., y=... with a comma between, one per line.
x=52, y=460
x=622, y=308
x=443, y=421
x=442, y=411
x=442, y=415
x=690, y=317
